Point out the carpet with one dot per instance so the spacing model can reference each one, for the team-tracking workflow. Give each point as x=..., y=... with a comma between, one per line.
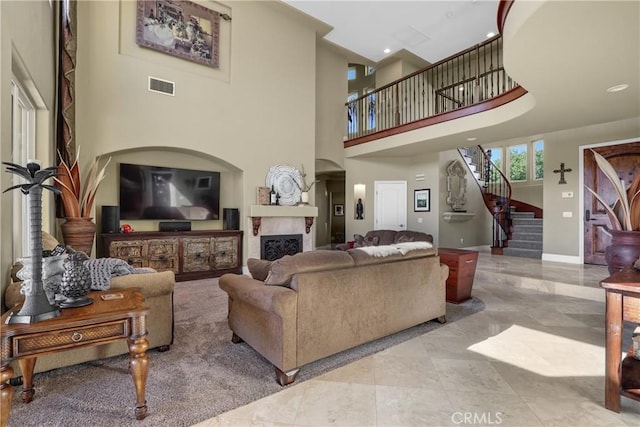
x=203, y=374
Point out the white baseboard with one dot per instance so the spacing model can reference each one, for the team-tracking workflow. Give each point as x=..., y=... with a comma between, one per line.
x=561, y=258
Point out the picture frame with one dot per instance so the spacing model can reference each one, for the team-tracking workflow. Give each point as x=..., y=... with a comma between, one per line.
x=183, y=29
x=338, y=210
x=422, y=200
x=263, y=196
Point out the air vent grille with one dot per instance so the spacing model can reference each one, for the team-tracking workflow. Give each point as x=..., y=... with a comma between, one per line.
x=164, y=87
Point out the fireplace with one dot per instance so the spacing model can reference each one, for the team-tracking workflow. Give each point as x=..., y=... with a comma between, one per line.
x=274, y=247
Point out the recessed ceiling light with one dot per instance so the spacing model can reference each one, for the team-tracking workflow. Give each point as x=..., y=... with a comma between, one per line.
x=490, y=34
x=618, y=88
x=387, y=50
x=473, y=138
x=461, y=88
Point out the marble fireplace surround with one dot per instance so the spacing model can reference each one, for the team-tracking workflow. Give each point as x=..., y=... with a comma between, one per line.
x=276, y=220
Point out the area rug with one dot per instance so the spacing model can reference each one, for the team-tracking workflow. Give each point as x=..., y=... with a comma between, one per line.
x=203, y=374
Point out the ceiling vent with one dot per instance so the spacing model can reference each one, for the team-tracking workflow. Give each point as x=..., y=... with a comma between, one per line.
x=164, y=87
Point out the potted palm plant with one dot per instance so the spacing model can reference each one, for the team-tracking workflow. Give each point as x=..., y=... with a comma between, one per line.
x=36, y=306
x=624, y=216
x=79, y=229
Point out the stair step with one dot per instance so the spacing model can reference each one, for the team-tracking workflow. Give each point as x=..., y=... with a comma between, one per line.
x=523, y=215
x=521, y=235
x=526, y=253
x=527, y=229
x=527, y=221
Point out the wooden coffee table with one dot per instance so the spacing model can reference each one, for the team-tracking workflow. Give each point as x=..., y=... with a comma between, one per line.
x=102, y=322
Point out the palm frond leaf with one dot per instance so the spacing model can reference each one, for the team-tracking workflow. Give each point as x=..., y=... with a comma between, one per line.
x=615, y=223
x=618, y=186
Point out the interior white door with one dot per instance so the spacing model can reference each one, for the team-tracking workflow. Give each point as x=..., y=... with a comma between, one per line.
x=390, y=205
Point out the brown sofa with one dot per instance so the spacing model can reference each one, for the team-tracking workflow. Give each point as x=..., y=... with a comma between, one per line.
x=311, y=305
x=157, y=289
x=386, y=237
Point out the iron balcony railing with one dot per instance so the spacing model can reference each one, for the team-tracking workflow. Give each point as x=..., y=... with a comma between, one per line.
x=468, y=78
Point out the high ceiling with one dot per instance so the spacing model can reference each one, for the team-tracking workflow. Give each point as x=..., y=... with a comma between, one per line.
x=566, y=54
x=431, y=30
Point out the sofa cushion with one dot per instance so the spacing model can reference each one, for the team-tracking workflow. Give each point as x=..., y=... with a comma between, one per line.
x=283, y=269
x=386, y=237
x=412, y=236
x=259, y=268
x=360, y=241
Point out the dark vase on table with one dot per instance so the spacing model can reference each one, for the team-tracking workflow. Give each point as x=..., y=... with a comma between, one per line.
x=623, y=251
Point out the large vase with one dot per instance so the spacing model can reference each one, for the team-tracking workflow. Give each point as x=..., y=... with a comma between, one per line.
x=79, y=234
x=623, y=251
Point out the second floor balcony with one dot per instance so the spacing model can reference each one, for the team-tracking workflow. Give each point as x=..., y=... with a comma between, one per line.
x=472, y=81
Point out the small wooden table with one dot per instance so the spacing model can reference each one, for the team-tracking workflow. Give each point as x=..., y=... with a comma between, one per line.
x=102, y=322
x=462, y=269
x=622, y=303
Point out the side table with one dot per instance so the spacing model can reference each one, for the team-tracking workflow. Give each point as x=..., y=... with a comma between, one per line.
x=622, y=303
x=104, y=321
x=462, y=269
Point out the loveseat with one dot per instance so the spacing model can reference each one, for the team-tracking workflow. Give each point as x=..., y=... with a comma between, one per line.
x=385, y=237
x=311, y=305
x=157, y=289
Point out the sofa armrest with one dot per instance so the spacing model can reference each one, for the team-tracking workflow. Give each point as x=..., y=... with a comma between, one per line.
x=276, y=299
x=150, y=284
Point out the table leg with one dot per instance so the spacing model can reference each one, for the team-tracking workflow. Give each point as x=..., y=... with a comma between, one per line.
x=26, y=366
x=6, y=392
x=139, y=367
x=613, y=336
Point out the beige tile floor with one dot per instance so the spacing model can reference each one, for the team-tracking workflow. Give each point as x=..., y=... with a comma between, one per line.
x=533, y=357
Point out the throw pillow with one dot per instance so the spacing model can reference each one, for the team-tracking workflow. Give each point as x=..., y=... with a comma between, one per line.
x=259, y=268
x=360, y=241
x=403, y=238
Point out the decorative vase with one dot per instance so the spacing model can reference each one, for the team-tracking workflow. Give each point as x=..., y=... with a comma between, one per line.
x=623, y=251
x=79, y=233
x=304, y=198
x=76, y=281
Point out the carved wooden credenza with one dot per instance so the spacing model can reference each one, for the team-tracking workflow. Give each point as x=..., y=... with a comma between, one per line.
x=189, y=254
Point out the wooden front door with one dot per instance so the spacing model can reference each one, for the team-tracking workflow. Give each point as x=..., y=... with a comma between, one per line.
x=625, y=158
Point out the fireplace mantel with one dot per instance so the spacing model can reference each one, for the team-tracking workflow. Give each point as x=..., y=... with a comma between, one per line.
x=257, y=212
x=282, y=211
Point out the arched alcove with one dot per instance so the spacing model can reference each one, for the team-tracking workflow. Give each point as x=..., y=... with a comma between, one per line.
x=231, y=178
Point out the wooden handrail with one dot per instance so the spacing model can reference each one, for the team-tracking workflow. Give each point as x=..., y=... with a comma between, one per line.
x=469, y=110
x=503, y=10
x=427, y=68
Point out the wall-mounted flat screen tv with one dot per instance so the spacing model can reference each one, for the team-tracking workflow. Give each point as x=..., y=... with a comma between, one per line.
x=153, y=192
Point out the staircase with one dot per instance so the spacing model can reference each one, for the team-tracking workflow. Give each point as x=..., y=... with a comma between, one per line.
x=496, y=193
x=515, y=233
x=526, y=238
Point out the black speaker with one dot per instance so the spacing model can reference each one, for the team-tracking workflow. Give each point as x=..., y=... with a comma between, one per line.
x=230, y=219
x=110, y=219
x=175, y=226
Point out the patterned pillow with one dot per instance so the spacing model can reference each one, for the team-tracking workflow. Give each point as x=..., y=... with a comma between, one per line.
x=360, y=241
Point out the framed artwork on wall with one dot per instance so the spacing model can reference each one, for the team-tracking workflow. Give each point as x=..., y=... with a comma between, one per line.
x=338, y=210
x=422, y=200
x=179, y=28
